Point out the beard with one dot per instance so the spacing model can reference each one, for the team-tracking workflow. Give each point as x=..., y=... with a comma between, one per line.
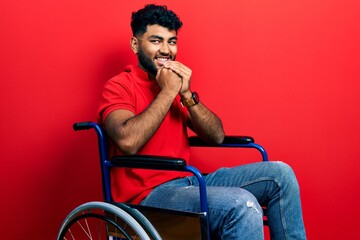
x=146, y=62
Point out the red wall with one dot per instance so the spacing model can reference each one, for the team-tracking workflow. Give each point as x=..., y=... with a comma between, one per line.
x=285, y=72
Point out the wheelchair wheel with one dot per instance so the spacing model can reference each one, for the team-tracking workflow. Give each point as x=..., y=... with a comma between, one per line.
x=101, y=220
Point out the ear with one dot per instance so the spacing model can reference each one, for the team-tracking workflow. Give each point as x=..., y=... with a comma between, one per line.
x=134, y=44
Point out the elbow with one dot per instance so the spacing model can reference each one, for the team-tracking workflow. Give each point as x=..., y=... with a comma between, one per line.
x=121, y=139
x=218, y=135
x=216, y=139
x=127, y=148
x=220, y=138
x=129, y=152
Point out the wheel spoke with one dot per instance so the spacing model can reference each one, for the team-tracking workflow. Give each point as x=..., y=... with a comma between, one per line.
x=84, y=230
x=98, y=220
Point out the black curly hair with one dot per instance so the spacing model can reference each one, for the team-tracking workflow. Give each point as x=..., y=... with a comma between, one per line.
x=153, y=14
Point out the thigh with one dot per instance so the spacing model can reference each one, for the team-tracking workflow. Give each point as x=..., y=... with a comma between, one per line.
x=187, y=198
x=262, y=179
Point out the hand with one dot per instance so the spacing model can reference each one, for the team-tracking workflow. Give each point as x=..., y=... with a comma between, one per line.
x=168, y=80
x=184, y=72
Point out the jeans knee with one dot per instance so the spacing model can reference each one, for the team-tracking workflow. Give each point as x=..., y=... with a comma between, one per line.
x=244, y=218
x=231, y=199
x=244, y=205
x=286, y=175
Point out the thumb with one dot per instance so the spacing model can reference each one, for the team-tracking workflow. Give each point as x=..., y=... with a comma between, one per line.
x=158, y=72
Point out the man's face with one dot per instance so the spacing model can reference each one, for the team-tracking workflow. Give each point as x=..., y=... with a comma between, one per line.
x=155, y=46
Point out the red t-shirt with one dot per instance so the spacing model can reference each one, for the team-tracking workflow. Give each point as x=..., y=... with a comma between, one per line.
x=133, y=91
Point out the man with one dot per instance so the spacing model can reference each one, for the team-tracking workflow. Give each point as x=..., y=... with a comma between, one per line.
x=146, y=110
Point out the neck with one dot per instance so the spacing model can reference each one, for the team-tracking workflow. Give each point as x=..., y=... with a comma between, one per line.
x=150, y=75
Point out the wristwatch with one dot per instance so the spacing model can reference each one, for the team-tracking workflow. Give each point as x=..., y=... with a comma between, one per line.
x=192, y=101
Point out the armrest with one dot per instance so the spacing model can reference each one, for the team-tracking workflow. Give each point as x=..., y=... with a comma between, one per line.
x=162, y=163
x=231, y=142
x=228, y=141
x=149, y=162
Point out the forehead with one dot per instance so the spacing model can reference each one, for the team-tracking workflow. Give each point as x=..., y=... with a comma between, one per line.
x=157, y=30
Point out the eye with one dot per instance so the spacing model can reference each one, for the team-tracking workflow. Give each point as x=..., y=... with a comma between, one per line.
x=172, y=42
x=155, y=41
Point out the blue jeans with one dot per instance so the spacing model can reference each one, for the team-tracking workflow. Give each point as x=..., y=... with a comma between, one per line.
x=234, y=199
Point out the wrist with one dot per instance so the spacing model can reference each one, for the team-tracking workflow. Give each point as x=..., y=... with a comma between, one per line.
x=186, y=95
x=192, y=101
x=169, y=93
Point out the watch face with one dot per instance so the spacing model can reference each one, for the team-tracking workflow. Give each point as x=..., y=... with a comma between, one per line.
x=195, y=96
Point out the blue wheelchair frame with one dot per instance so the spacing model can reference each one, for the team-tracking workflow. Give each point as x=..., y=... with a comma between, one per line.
x=161, y=163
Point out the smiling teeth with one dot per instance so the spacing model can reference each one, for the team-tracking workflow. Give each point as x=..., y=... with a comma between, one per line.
x=162, y=59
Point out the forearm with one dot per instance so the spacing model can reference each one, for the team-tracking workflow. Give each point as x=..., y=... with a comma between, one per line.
x=206, y=124
x=133, y=133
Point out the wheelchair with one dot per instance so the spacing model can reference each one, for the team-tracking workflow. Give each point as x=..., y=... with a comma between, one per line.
x=117, y=221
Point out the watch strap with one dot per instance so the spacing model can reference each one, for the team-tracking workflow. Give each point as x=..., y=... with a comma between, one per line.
x=192, y=101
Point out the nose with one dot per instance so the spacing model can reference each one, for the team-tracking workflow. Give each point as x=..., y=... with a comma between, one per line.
x=165, y=49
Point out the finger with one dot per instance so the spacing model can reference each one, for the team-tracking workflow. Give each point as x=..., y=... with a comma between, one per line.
x=176, y=66
x=180, y=70
x=159, y=71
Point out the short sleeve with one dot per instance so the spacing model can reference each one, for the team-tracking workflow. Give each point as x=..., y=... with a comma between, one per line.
x=117, y=94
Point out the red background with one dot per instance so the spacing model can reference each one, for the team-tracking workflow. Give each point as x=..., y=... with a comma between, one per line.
x=285, y=72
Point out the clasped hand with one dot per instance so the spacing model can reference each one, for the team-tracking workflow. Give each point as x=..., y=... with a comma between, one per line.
x=174, y=76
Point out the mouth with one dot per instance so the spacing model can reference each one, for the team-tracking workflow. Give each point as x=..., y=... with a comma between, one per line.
x=162, y=59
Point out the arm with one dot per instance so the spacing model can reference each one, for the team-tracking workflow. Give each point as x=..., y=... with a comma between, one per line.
x=201, y=120
x=129, y=131
x=206, y=124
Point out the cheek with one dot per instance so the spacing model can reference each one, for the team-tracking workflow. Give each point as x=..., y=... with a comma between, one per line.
x=174, y=50
x=150, y=50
